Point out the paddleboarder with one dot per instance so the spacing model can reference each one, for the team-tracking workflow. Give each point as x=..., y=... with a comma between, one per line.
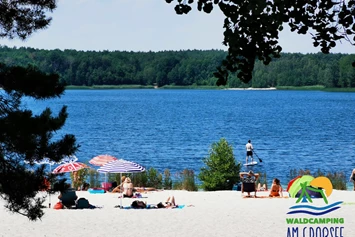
x=249, y=147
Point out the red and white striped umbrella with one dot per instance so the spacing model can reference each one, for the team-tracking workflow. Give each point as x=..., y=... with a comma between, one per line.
x=101, y=160
x=69, y=167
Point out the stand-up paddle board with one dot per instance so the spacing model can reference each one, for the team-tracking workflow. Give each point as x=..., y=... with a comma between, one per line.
x=251, y=163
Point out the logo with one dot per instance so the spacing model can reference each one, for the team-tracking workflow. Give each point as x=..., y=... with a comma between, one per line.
x=307, y=188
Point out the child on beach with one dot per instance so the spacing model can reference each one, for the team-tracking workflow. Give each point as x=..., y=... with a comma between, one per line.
x=276, y=189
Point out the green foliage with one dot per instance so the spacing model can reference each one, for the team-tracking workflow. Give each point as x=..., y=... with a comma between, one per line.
x=81, y=176
x=167, y=182
x=155, y=179
x=185, y=180
x=94, y=178
x=140, y=179
x=194, y=69
x=251, y=29
x=221, y=171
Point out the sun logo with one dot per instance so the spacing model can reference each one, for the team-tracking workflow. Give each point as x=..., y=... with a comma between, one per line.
x=305, y=187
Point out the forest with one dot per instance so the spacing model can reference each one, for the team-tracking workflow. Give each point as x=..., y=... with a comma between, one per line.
x=181, y=68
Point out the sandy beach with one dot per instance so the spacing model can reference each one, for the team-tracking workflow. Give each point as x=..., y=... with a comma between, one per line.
x=220, y=213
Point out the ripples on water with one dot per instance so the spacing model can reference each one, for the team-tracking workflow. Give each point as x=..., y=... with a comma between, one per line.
x=174, y=128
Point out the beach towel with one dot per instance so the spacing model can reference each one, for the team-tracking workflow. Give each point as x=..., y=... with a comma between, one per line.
x=152, y=206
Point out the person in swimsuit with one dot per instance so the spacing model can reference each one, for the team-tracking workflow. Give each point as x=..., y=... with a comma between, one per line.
x=127, y=188
x=352, y=177
x=276, y=189
x=249, y=147
x=170, y=203
x=118, y=188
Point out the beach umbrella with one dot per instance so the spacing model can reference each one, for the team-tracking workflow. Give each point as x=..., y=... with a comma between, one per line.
x=291, y=182
x=69, y=167
x=121, y=166
x=100, y=160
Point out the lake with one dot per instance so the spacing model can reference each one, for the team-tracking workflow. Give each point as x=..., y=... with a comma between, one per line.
x=174, y=129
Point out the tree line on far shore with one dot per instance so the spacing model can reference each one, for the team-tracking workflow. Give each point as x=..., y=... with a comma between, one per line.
x=181, y=68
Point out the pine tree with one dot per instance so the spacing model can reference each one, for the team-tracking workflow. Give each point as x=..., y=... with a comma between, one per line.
x=25, y=137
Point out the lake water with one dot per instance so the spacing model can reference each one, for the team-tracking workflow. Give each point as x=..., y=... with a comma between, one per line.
x=174, y=129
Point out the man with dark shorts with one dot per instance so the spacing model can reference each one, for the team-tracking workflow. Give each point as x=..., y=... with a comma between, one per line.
x=249, y=148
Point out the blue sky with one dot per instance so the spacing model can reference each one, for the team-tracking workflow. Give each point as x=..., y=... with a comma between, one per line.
x=142, y=25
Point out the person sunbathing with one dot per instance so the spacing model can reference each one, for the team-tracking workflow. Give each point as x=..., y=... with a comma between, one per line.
x=170, y=203
x=276, y=189
x=262, y=187
x=117, y=189
x=128, y=188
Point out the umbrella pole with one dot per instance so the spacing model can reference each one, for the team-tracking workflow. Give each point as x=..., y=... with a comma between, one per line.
x=50, y=187
x=121, y=191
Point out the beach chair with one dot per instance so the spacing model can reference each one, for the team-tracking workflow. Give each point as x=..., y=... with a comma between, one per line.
x=248, y=188
x=248, y=182
x=68, y=198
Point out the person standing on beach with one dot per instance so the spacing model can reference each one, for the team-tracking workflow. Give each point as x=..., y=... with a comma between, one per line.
x=352, y=178
x=250, y=149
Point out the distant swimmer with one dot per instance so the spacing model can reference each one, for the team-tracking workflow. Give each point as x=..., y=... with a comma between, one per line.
x=250, y=149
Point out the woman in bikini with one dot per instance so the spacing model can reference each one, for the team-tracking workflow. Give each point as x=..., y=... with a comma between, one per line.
x=127, y=188
x=276, y=189
x=170, y=203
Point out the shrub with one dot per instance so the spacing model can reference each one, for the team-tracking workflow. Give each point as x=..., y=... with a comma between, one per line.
x=167, y=183
x=94, y=180
x=155, y=179
x=185, y=180
x=221, y=171
x=140, y=179
x=81, y=176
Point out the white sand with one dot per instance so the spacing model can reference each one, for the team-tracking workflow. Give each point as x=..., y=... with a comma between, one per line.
x=222, y=213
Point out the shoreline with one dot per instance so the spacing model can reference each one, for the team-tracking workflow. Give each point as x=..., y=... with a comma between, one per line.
x=167, y=87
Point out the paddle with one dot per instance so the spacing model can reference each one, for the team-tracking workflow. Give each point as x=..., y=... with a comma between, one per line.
x=258, y=156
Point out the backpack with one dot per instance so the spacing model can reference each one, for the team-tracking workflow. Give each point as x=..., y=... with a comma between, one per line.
x=82, y=203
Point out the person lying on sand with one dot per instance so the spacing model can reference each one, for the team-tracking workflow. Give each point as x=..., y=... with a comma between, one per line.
x=170, y=203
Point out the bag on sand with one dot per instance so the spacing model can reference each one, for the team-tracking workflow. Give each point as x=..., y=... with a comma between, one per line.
x=82, y=203
x=58, y=206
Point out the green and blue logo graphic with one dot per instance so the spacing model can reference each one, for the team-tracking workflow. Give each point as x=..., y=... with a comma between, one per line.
x=307, y=187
